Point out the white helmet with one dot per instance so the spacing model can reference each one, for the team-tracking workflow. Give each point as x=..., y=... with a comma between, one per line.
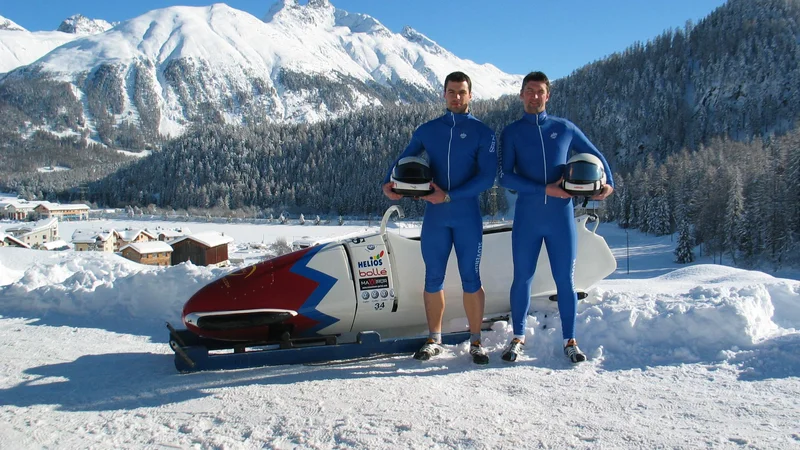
x=584, y=175
x=412, y=177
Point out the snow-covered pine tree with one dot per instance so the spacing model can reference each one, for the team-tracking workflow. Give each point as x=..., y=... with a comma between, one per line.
x=683, y=251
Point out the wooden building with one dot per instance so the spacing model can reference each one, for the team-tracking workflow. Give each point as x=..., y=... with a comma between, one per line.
x=154, y=253
x=208, y=248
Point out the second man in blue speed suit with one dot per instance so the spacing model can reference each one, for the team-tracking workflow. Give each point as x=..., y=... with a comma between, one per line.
x=534, y=152
x=463, y=161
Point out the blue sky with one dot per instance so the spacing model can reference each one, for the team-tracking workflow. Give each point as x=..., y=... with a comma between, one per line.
x=515, y=35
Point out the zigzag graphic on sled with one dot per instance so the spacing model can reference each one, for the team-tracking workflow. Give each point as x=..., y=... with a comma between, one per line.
x=356, y=297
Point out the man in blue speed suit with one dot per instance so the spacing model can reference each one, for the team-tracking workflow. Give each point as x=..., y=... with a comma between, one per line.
x=463, y=162
x=534, y=151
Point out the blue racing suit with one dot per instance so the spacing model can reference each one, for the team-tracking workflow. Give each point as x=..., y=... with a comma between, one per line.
x=463, y=160
x=534, y=151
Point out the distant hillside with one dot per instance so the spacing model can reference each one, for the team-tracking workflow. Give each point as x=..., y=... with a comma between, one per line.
x=735, y=74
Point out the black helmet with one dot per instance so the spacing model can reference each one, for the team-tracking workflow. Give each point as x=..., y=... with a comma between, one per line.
x=412, y=177
x=584, y=175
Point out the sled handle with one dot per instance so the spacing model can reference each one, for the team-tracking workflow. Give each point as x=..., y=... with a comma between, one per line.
x=596, y=222
x=388, y=214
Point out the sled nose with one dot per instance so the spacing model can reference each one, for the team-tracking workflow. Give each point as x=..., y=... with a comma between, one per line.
x=255, y=303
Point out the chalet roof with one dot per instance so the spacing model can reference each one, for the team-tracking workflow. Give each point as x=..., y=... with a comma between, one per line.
x=87, y=236
x=128, y=235
x=144, y=248
x=208, y=238
x=9, y=239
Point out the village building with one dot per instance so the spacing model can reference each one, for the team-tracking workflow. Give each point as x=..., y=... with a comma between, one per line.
x=62, y=212
x=36, y=233
x=154, y=253
x=94, y=240
x=209, y=248
x=17, y=209
x=21, y=209
x=130, y=236
x=7, y=240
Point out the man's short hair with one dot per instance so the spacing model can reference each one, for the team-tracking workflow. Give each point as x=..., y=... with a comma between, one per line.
x=539, y=77
x=458, y=77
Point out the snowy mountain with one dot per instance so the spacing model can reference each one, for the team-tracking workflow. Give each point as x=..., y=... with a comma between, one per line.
x=78, y=24
x=20, y=47
x=164, y=70
x=6, y=24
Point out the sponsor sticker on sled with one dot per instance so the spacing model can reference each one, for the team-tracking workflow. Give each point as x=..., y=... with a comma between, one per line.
x=373, y=283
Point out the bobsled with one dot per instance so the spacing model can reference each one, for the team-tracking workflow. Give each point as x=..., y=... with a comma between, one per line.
x=369, y=283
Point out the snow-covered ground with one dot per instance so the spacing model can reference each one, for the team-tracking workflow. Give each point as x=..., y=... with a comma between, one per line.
x=680, y=357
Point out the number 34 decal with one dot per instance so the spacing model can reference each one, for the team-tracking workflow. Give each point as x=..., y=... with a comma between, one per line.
x=379, y=305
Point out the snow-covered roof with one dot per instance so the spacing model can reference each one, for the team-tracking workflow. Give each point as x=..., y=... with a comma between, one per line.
x=18, y=204
x=128, y=235
x=172, y=233
x=32, y=227
x=144, y=248
x=60, y=207
x=207, y=238
x=12, y=240
x=87, y=236
x=55, y=245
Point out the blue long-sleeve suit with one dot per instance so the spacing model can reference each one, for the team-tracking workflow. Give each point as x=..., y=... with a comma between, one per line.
x=463, y=160
x=534, y=152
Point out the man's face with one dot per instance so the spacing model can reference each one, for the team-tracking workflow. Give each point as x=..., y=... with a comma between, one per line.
x=534, y=96
x=457, y=96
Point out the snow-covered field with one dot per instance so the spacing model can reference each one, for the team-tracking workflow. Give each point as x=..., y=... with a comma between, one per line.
x=680, y=357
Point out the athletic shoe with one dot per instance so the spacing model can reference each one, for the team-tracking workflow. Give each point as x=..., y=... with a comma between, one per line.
x=513, y=350
x=479, y=354
x=573, y=352
x=430, y=349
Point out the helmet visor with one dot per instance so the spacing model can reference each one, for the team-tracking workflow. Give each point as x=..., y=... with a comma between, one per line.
x=583, y=172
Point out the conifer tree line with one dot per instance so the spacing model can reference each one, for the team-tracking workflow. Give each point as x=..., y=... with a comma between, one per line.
x=736, y=199
x=333, y=167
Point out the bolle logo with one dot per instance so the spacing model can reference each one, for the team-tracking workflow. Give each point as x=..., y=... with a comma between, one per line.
x=375, y=272
x=373, y=261
x=554, y=135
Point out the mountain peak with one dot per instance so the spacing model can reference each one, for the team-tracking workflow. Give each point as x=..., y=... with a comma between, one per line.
x=415, y=36
x=79, y=24
x=315, y=13
x=7, y=24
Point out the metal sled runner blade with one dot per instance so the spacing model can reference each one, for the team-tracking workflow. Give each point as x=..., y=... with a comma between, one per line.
x=202, y=354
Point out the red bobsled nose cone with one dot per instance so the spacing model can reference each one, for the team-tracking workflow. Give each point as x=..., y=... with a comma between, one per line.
x=256, y=303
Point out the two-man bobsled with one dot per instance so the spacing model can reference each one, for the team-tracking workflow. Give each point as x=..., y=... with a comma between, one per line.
x=369, y=283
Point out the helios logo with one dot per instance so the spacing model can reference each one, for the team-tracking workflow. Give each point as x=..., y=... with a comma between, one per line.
x=374, y=261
